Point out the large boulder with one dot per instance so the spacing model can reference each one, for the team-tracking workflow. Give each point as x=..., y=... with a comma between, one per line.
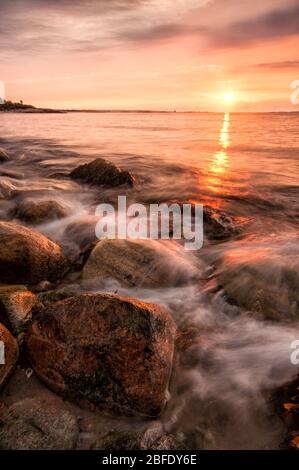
x=138, y=263
x=27, y=256
x=38, y=212
x=263, y=278
x=16, y=305
x=37, y=424
x=100, y=172
x=105, y=351
x=9, y=353
x=3, y=155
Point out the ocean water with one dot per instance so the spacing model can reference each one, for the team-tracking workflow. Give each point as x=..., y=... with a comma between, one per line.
x=244, y=164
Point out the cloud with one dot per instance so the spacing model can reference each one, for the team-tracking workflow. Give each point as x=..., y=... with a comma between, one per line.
x=282, y=65
x=76, y=25
x=278, y=23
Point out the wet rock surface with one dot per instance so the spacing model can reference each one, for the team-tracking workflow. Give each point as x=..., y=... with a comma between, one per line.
x=135, y=263
x=38, y=212
x=3, y=155
x=218, y=225
x=7, y=187
x=286, y=399
x=61, y=293
x=105, y=350
x=37, y=424
x=151, y=438
x=260, y=282
x=82, y=232
x=27, y=256
x=11, y=354
x=16, y=305
x=102, y=173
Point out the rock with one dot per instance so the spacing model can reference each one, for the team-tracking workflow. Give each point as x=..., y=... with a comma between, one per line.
x=3, y=155
x=35, y=424
x=82, y=232
x=11, y=354
x=217, y=225
x=263, y=278
x=16, y=304
x=139, y=263
x=152, y=438
x=7, y=188
x=43, y=286
x=11, y=173
x=100, y=172
x=104, y=351
x=54, y=295
x=286, y=402
x=27, y=256
x=38, y=212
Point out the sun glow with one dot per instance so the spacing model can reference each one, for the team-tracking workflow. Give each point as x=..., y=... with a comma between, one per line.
x=229, y=97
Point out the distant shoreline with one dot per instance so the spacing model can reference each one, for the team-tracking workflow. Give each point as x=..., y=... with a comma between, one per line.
x=29, y=109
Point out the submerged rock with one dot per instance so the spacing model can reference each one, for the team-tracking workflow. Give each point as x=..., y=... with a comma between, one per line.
x=82, y=232
x=286, y=400
x=136, y=263
x=11, y=173
x=27, y=256
x=218, y=225
x=7, y=188
x=37, y=424
x=263, y=278
x=16, y=304
x=3, y=155
x=105, y=351
x=100, y=172
x=11, y=354
x=38, y=212
x=152, y=438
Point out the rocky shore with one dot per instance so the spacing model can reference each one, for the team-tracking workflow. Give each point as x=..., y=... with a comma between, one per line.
x=10, y=107
x=89, y=369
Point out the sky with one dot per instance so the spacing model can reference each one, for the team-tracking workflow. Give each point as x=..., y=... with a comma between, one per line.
x=150, y=54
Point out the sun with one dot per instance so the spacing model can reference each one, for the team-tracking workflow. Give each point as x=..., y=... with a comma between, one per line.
x=229, y=97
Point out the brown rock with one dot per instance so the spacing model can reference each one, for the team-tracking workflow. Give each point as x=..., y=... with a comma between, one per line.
x=37, y=424
x=39, y=212
x=54, y=295
x=82, y=232
x=9, y=346
x=263, y=278
x=16, y=304
x=152, y=438
x=136, y=263
x=28, y=256
x=100, y=172
x=3, y=155
x=105, y=350
x=7, y=188
x=218, y=225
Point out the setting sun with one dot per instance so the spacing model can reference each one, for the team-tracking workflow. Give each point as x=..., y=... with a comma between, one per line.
x=229, y=96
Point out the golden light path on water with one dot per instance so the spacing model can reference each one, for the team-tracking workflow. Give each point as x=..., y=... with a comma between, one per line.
x=220, y=161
